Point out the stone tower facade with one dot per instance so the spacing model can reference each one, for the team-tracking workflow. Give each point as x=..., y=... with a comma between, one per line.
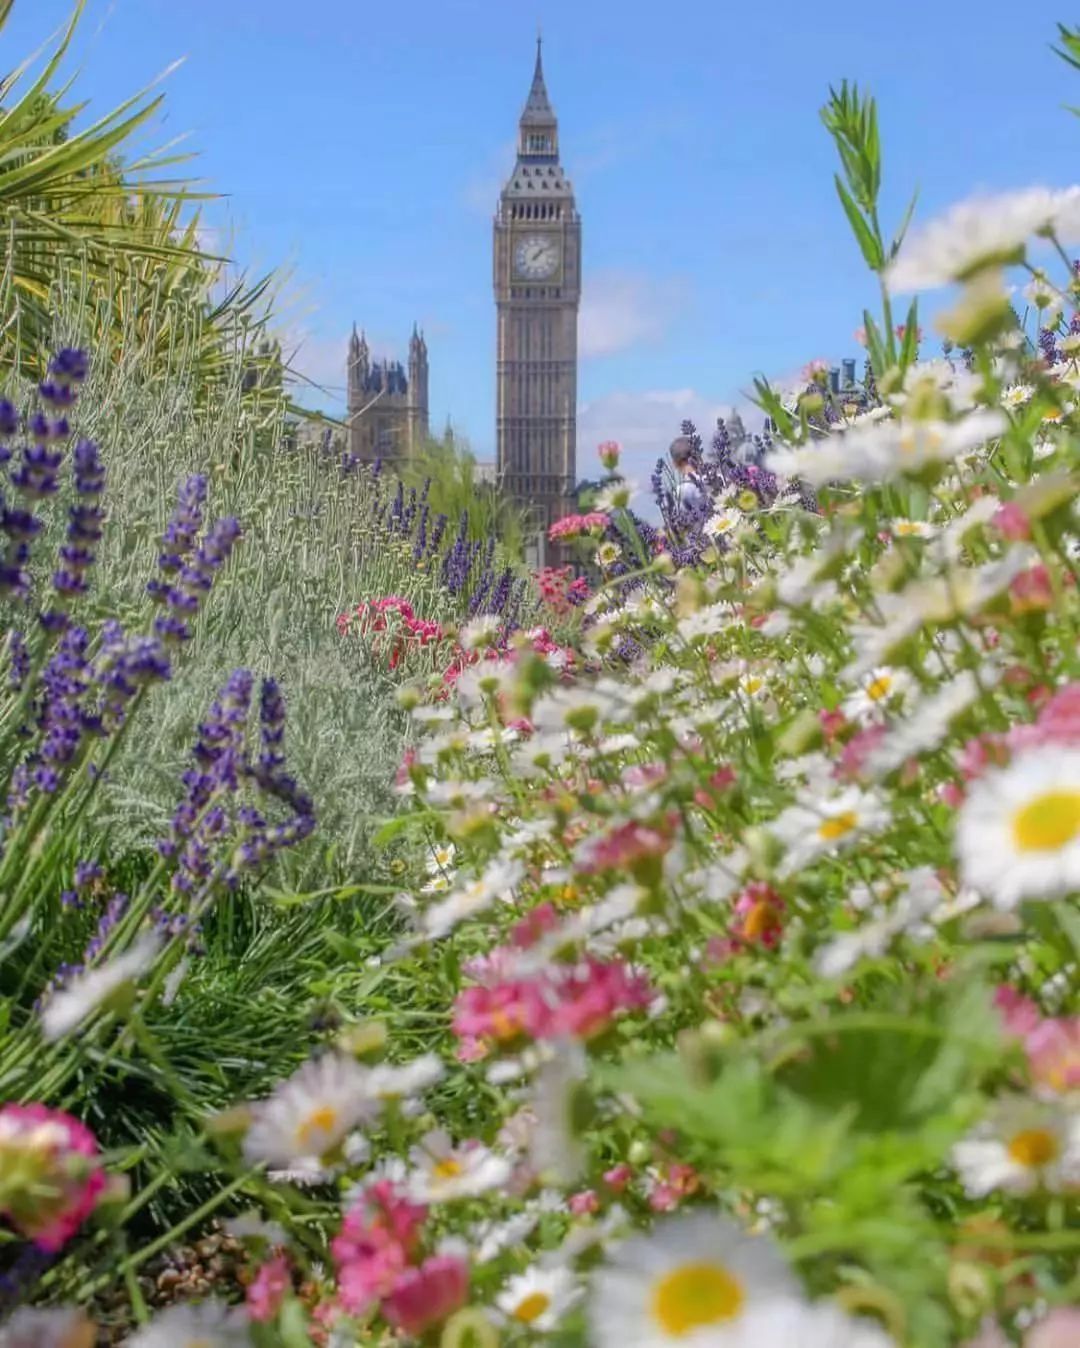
x=537, y=296
x=388, y=407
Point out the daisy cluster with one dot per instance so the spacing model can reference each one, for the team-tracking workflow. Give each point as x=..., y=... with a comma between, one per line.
x=759, y=946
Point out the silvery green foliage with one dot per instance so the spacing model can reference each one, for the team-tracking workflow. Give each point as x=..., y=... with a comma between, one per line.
x=302, y=560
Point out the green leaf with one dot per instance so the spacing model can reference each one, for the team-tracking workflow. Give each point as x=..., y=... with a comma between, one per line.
x=390, y=830
x=870, y=246
x=769, y=402
x=911, y=336
x=898, y=238
x=874, y=344
x=1070, y=48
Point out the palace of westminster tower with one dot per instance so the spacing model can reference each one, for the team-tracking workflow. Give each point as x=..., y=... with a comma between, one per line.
x=537, y=278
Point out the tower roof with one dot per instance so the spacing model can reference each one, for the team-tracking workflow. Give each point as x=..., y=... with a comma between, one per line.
x=538, y=109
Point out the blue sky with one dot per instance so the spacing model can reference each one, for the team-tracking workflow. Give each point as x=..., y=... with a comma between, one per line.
x=362, y=146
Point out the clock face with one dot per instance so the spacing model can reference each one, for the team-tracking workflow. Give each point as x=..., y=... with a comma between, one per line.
x=536, y=257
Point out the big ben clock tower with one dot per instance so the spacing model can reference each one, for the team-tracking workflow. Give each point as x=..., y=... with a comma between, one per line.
x=537, y=294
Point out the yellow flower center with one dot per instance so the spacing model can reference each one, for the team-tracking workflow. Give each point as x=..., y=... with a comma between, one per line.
x=448, y=1168
x=1033, y=1147
x=904, y=527
x=531, y=1308
x=879, y=687
x=838, y=826
x=694, y=1295
x=752, y=684
x=320, y=1120
x=1048, y=822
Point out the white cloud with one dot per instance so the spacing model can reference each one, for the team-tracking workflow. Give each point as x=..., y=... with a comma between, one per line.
x=644, y=424
x=624, y=309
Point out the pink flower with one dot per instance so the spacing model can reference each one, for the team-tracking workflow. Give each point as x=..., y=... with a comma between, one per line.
x=1019, y=1014
x=832, y=722
x=856, y=752
x=860, y=336
x=363, y=1282
x=980, y=753
x=267, y=1289
x=425, y=1296
x=618, y=1177
x=583, y=1002
x=583, y=1204
x=573, y=526
x=624, y=848
x=502, y=1012
x=814, y=371
x=1060, y=1329
x=536, y=923
x=51, y=1176
x=1058, y=722
x=1053, y=1050
x=608, y=454
x=1031, y=591
x=1012, y=521
x=378, y=1234
x=644, y=774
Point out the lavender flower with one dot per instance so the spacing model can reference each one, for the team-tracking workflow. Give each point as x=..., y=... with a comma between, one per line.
x=20, y=660
x=192, y=575
x=222, y=766
x=38, y=475
x=182, y=530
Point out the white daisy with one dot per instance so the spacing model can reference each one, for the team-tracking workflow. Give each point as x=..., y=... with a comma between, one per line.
x=911, y=529
x=539, y=1297
x=209, y=1324
x=813, y=826
x=608, y=553
x=1018, y=835
x=692, y=1281
x=980, y=233
x=388, y=1081
x=479, y=632
x=927, y=722
x=309, y=1116
x=1017, y=395
x=878, y=689
x=887, y=449
x=441, y=858
x=722, y=522
x=1042, y=294
x=497, y=882
x=1026, y=1145
x=443, y=1171
x=616, y=496
x=67, y=1008
x=790, y=1323
x=489, y=1239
